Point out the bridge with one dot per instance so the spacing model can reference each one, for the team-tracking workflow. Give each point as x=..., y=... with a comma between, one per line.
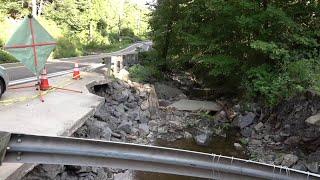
x=25, y=148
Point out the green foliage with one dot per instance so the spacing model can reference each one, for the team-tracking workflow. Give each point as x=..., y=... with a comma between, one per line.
x=84, y=26
x=67, y=48
x=141, y=73
x=6, y=57
x=268, y=49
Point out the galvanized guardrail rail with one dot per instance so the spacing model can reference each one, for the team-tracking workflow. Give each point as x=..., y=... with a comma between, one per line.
x=22, y=148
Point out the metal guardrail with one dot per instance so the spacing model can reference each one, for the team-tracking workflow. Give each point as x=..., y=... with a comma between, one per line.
x=21, y=148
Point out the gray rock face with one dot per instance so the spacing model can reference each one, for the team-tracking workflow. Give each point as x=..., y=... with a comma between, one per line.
x=125, y=126
x=246, y=120
x=289, y=160
x=204, y=138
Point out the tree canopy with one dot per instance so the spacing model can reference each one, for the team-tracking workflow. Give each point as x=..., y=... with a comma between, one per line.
x=268, y=49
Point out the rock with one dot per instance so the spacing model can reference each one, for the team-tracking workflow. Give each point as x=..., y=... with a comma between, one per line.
x=238, y=146
x=144, y=105
x=292, y=140
x=121, y=108
x=123, y=75
x=244, y=121
x=246, y=132
x=289, y=160
x=167, y=92
x=237, y=108
x=102, y=115
x=187, y=135
x=193, y=105
x=125, y=126
x=315, y=156
x=99, y=130
x=162, y=130
x=300, y=166
x=116, y=85
x=314, y=120
x=313, y=167
x=153, y=125
x=144, y=129
x=258, y=126
x=144, y=116
x=131, y=105
x=52, y=170
x=204, y=138
x=121, y=96
x=256, y=142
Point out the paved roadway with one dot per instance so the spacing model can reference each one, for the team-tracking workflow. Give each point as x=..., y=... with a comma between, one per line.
x=17, y=71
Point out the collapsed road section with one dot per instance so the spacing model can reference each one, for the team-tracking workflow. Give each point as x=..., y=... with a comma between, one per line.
x=62, y=113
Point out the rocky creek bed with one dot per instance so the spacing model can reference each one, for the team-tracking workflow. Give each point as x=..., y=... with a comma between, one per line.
x=140, y=113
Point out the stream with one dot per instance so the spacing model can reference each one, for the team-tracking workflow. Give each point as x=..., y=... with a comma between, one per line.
x=218, y=145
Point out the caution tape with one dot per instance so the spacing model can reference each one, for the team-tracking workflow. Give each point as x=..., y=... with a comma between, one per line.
x=26, y=98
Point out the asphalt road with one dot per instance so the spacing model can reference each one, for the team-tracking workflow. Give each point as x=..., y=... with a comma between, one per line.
x=17, y=71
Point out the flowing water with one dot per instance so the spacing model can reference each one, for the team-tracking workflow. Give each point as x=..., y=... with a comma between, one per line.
x=218, y=145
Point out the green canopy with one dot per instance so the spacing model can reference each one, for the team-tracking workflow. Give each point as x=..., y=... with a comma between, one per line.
x=31, y=44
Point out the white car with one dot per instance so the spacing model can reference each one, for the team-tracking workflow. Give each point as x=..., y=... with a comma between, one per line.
x=4, y=80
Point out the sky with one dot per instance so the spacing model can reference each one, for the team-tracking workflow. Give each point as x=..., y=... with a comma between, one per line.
x=141, y=2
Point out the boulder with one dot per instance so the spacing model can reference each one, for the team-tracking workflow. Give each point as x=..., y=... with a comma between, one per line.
x=144, y=105
x=187, y=135
x=203, y=138
x=121, y=96
x=167, y=92
x=313, y=120
x=246, y=132
x=125, y=126
x=123, y=75
x=313, y=167
x=289, y=160
x=292, y=140
x=246, y=120
x=300, y=166
x=258, y=126
x=144, y=129
x=194, y=105
x=238, y=146
x=99, y=130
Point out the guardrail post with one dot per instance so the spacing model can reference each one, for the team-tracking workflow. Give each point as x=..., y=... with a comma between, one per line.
x=107, y=62
x=120, y=59
x=114, y=61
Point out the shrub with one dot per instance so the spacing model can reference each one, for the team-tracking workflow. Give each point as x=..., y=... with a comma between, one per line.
x=67, y=48
x=271, y=86
x=6, y=57
x=141, y=73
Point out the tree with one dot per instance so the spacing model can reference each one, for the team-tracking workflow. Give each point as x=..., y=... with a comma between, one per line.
x=222, y=42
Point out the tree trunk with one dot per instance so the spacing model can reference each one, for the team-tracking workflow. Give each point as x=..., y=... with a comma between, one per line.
x=40, y=7
x=34, y=8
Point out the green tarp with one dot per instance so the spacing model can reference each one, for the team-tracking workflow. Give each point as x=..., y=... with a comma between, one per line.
x=23, y=42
